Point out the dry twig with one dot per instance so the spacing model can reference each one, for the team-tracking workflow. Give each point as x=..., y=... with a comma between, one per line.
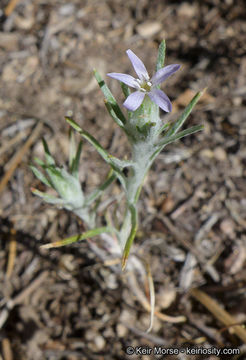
x=17, y=158
x=218, y=312
x=10, y=7
x=12, y=253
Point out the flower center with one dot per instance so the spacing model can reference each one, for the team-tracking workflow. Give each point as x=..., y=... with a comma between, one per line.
x=146, y=86
x=143, y=85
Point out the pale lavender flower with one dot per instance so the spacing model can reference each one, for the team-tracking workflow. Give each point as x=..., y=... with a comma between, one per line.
x=145, y=85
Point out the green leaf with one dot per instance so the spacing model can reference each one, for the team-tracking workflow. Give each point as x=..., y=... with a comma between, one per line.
x=54, y=174
x=72, y=148
x=98, y=192
x=125, y=89
x=163, y=128
x=115, y=163
x=76, y=238
x=170, y=139
x=75, y=163
x=48, y=157
x=109, y=97
x=40, y=176
x=51, y=199
x=134, y=221
x=40, y=162
x=121, y=163
x=67, y=186
x=161, y=55
x=176, y=126
x=113, y=115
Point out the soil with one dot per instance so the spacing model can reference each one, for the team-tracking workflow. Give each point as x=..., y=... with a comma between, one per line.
x=74, y=302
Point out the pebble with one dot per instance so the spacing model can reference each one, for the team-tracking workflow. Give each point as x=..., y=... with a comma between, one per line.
x=90, y=334
x=121, y=330
x=9, y=72
x=67, y=9
x=207, y=153
x=148, y=29
x=9, y=41
x=128, y=317
x=99, y=342
x=165, y=298
x=227, y=226
x=187, y=10
x=220, y=154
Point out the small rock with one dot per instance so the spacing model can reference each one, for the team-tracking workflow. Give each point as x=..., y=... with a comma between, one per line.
x=99, y=342
x=235, y=262
x=24, y=23
x=187, y=10
x=30, y=67
x=148, y=29
x=207, y=153
x=67, y=9
x=121, y=330
x=128, y=317
x=89, y=335
x=108, y=333
x=168, y=204
x=9, y=73
x=111, y=281
x=220, y=154
x=227, y=226
x=165, y=298
x=9, y=41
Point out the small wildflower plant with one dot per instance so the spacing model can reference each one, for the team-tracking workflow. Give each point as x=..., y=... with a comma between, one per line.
x=147, y=136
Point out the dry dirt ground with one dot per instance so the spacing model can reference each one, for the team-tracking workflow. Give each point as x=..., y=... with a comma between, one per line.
x=69, y=303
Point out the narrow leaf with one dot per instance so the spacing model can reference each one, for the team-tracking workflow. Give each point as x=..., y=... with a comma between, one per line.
x=40, y=176
x=76, y=238
x=176, y=126
x=67, y=186
x=75, y=163
x=131, y=237
x=73, y=123
x=161, y=55
x=112, y=114
x=40, y=162
x=163, y=128
x=109, y=97
x=48, y=157
x=125, y=89
x=111, y=160
x=98, y=192
x=72, y=148
x=53, y=171
x=173, y=138
x=51, y=199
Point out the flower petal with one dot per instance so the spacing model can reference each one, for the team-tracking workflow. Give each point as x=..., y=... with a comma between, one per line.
x=125, y=78
x=138, y=66
x=161, y=99
x=164, y=73
x=134, y=100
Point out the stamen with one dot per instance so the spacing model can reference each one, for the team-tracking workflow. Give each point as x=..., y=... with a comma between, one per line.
x=146, y=86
